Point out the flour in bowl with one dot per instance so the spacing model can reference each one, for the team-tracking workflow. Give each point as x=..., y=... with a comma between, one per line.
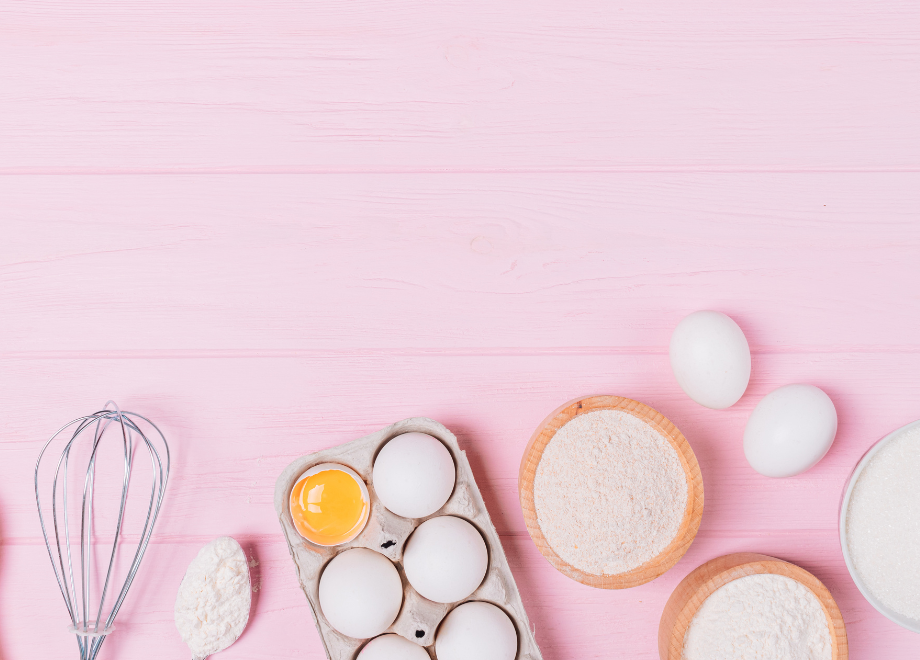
x=759, y=617
x=212, y=607
x=610, y=492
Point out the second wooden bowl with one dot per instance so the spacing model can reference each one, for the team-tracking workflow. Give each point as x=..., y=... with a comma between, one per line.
x=702, y=582
x=693, y=512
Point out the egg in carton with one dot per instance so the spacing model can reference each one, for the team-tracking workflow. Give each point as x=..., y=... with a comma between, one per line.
x=387, y=533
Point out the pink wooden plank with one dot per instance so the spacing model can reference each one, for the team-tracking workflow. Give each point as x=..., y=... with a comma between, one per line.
x=461, y=263
x=229, y=443
x=406, y=85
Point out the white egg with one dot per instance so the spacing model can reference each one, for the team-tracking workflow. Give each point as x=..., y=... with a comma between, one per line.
x=476, y=630
x=392, y=647
x=790, y=430
x=414, y=475
x=711, y=359
x=360, y=593
x=445, y=559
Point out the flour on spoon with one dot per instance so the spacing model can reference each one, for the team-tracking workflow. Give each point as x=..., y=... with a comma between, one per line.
x=212, y=607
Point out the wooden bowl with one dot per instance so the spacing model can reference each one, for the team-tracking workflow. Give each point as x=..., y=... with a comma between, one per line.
x=692, y=514
x=701, y=583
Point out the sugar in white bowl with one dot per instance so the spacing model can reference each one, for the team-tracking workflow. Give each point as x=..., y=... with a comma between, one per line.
x=880, y=530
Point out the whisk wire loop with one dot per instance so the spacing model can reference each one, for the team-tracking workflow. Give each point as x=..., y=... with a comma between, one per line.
x=91, y=632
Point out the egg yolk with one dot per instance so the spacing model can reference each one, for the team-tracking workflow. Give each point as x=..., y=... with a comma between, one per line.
x=328, y=507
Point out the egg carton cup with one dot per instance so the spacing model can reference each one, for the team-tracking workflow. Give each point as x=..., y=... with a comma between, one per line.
x=387, y=533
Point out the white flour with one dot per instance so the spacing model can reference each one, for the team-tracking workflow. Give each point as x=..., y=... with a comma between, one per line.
x=610, y=492
x=759, y=617
x=883, y=524
x=212, y=607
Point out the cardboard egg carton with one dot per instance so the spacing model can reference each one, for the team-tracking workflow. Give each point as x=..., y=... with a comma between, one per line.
x=387, y=534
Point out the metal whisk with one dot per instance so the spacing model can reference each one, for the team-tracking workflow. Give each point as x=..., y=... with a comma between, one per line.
x=83, y=436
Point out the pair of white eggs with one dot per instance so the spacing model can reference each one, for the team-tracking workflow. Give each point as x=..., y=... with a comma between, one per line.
x=790, y=430
x=360, y=591
x=446, y=558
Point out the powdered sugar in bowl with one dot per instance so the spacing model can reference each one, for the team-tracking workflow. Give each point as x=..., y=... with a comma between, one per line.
x=880, y=526
x=748, y=605
x=611, y=492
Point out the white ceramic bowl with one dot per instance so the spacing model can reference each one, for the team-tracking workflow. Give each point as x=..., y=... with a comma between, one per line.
x=900, y=619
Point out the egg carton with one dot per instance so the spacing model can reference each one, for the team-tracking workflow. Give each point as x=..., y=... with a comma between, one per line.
x=387, y=534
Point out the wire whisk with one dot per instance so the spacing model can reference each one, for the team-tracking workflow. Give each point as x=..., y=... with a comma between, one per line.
x=82, y=438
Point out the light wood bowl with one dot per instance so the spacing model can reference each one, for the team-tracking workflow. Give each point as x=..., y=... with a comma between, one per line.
x=701, y=583
x=692, y=514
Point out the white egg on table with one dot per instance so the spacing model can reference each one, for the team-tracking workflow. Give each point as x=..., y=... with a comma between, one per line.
x=392, y=647
x=790, y=430
x=445, y=559
x=360, y=593
x=476, y=630
x=414, y=475
x=711, y=359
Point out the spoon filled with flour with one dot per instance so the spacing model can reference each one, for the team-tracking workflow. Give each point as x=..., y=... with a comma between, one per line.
x=212, y=607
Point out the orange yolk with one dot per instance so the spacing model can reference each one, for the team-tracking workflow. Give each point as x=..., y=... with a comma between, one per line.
x=328, y=507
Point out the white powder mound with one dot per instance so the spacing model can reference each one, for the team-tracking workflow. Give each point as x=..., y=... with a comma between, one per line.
x=610, y=492
x=212, y=607
x=759, y=617
x=883, y=524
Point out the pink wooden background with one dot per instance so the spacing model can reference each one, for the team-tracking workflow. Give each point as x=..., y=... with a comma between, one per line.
x=277, y=226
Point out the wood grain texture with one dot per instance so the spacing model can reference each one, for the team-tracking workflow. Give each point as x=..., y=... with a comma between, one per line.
x=274, y=227
x=408, y=86
x=467, y=264
x=701, y=583
x=693, y=512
